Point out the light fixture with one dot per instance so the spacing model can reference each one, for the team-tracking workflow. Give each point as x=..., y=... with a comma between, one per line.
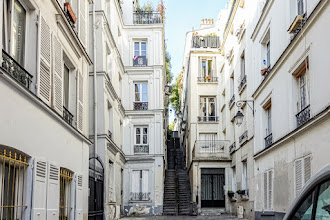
x=180, y=115
x=239, y=118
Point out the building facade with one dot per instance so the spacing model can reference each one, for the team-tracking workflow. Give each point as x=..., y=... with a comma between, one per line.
x=44, y=112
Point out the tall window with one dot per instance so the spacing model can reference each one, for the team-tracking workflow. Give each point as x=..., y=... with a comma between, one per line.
x=303, y=94
x=141, y=92
x=233, y=181
x=109, y=62
x=244, y=176
x=242, y=66
x=207, y=69
x=66, y=87
x=269, y=120
x=232, y=86
x=268, y=54
x=300, y=7
x=65, y=193
x=268, y=190
x=141, y=135
x=207, y=108
x=140, y=182
x=140, y=48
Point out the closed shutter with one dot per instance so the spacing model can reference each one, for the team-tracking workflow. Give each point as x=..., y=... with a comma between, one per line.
x=270, y=189
x=58, y=76
x=145, y=181
x=79, y=199
x=40, y=190
x=82, y=22
x=80, y=105
x=44, y=79
x=53, y=192
x=265, y=191
x=136, y=181
x=298, y=176
x=307, y=168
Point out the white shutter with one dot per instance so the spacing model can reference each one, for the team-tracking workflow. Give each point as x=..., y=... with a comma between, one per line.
x=298, y=176
x=136, y=181
x=265, y=191
x=80, y=104
x=214, y=67
x=40, y=190
x=307, y=168
x=145, y=181
x=53, y=192
x=82, y=22
x=270, y=189
x=79, y=199
x=58, y=76
x=44, y=79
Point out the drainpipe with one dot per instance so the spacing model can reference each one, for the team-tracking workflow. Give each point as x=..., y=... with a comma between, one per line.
x=95, y=84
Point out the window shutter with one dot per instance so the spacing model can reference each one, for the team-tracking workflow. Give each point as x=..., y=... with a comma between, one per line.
x=136, y=181
x=82, y=22
x=214, y=66
x=145, y=181
x=270, y=189
x=44, y=79
x=265, y=191
x=40, y=190
x=298, y=175
x=53, y=192
x=79, y=199
x=307, y=168
x=58, y=76
x=80, y=108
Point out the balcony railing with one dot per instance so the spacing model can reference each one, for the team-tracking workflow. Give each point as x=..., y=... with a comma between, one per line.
x=211, y=149
x=143, y=17
x=232, y=147
x=15, y=70
x=243, y=137
x=207, y=79
x=140, y=61
x=242, y=83
x=208, y=119
x=67, y=116
x=303, y=116
x=140, y=106
x=139, y=196
x=231, y=101
x=110, y=134
x=141, y=149
x=268, y=140
x=205, y=42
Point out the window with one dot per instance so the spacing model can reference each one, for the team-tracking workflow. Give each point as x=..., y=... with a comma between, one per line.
x=300, y=7
x=268, y=190
x=207, y=68
x=244, y=175
x=265, y=43
x=323, y=202
x=65, y=193
x=302, y=170
x=110, y=122
x=242, y=66
x=66, y=87
x=141, y=135
x=141, y=92
x=233, y=181
x=109, y=62
x=140, y=190
x=303, y=91
x=268, y=54
x=207, y=109
x=269, y=121
x=232, y=85
x=111, y=182
x=140, y=49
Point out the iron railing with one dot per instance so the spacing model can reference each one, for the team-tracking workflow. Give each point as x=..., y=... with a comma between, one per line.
x=232, y=147
x=242, y=83
x=143, y=17
x=303, y=116
x=243, y=137
x=15, y=70
x=140, y=61
x=210, y=146
x=141, y=149
x=65, y=194
x=207, y=79
x=140, y=106
x=208, y=119
x=269, y=140
x=266, y=72
x=67, y=116
x=205, y=42
x=231, y=101
x=139, y=196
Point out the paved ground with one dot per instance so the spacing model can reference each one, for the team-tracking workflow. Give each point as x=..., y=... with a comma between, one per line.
x=183, y=217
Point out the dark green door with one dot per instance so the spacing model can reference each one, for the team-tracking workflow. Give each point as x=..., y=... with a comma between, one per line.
x=212, y=192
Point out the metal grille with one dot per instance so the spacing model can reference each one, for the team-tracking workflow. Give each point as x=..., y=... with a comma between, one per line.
x=65, y=194
x=13, y=168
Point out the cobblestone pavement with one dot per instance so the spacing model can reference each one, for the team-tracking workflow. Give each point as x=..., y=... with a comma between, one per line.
x=183, y=217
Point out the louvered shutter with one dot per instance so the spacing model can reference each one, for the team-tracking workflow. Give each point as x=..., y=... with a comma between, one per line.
x=270, y=189
x=307, y=168
x=265, y=191
x=79, y=199
x=136, y=181
x=82, y=22
x=80, y=104
x=44, y=79
x=58, y=76
x=53, y=192
x=145, y=181
x=40, y=190
x=298, y=175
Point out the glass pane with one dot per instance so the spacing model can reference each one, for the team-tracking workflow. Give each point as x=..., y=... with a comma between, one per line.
x=18, y=32
x=305, y=209
x=137, y=46
x=323, y=202
x=144, y=88
x=137, y=92
x=268, y=54
x=145, y=139
x=203, y=68
x=144, y=46
x=138, y=139
x=202, y=109
x=209, y=67
x=137, y=87
x=144, y=97
x=66, y=87
x=144, y=92
x=137, y=130
x=145, y=130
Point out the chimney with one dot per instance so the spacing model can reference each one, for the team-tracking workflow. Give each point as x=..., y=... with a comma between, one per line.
x=206, y=23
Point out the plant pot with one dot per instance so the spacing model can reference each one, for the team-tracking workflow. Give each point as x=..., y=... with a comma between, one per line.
x=264, y=71
x=240, y=192
x=231, y=194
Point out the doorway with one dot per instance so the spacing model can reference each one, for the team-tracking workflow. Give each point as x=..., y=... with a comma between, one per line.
x=212, y=187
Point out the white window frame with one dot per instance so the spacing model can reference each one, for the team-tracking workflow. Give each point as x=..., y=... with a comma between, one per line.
x=140, y=47
x=268, y=54
x=206, y=73
x=269, y=120
x=244, y=175
x=306, y=85
x=141, y=91
x=207, y=107
x=242, y=65
x=141, y=135
x=303, y=172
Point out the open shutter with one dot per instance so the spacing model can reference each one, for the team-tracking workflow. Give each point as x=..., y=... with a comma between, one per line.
x=44, y=79
x=79, y=199
x=307, y=168
x=58, y=76
x=265, y=191
x=53, y=192
x=40, y=190
x=270, y=189
x=145, y=181
x=214, y=67
x=298, y=175
x=82, y=22
x=80, y=104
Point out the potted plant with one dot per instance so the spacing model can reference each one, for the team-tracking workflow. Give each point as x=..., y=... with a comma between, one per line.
x=240, y=192
x=263, y=72
x=231, y=194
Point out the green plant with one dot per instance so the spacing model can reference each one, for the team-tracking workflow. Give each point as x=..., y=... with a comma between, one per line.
x=240, y=192
x=211, y=35
x=231, y=193
x=175, y=96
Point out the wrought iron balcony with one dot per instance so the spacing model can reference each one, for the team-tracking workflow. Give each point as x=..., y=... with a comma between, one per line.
x=140, y=106
x=15, y=70
x=138, y=196
x=110, y=134
x=205, y=42
x=211, y=150
x=140, y=61
x=207, y=79
x=269, y=140
x=303, y=116
x=232, y=147
x=141, y=149
x=208, y=119
x=242, y=84
x=231, y=101
x=243, y=137
x=144, y=17
x=210, y=146
x=67, y=116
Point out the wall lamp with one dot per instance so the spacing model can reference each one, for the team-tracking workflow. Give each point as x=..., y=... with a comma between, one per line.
x=239, y=116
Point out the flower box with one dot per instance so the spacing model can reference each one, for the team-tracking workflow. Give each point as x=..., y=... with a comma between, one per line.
x=264, y=71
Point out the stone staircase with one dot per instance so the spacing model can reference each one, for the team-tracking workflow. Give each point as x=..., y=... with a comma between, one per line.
x=177, y=198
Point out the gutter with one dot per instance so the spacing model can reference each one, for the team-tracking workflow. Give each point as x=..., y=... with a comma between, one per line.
x=95, y=84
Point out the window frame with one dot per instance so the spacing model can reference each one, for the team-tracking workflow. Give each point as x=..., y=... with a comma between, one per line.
x=207, y=116
x=141, y=127
x=303, y=7
x=207, y=71
x=268, y=54
x=141, y=91
x=242, y=65
x=140, y=47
